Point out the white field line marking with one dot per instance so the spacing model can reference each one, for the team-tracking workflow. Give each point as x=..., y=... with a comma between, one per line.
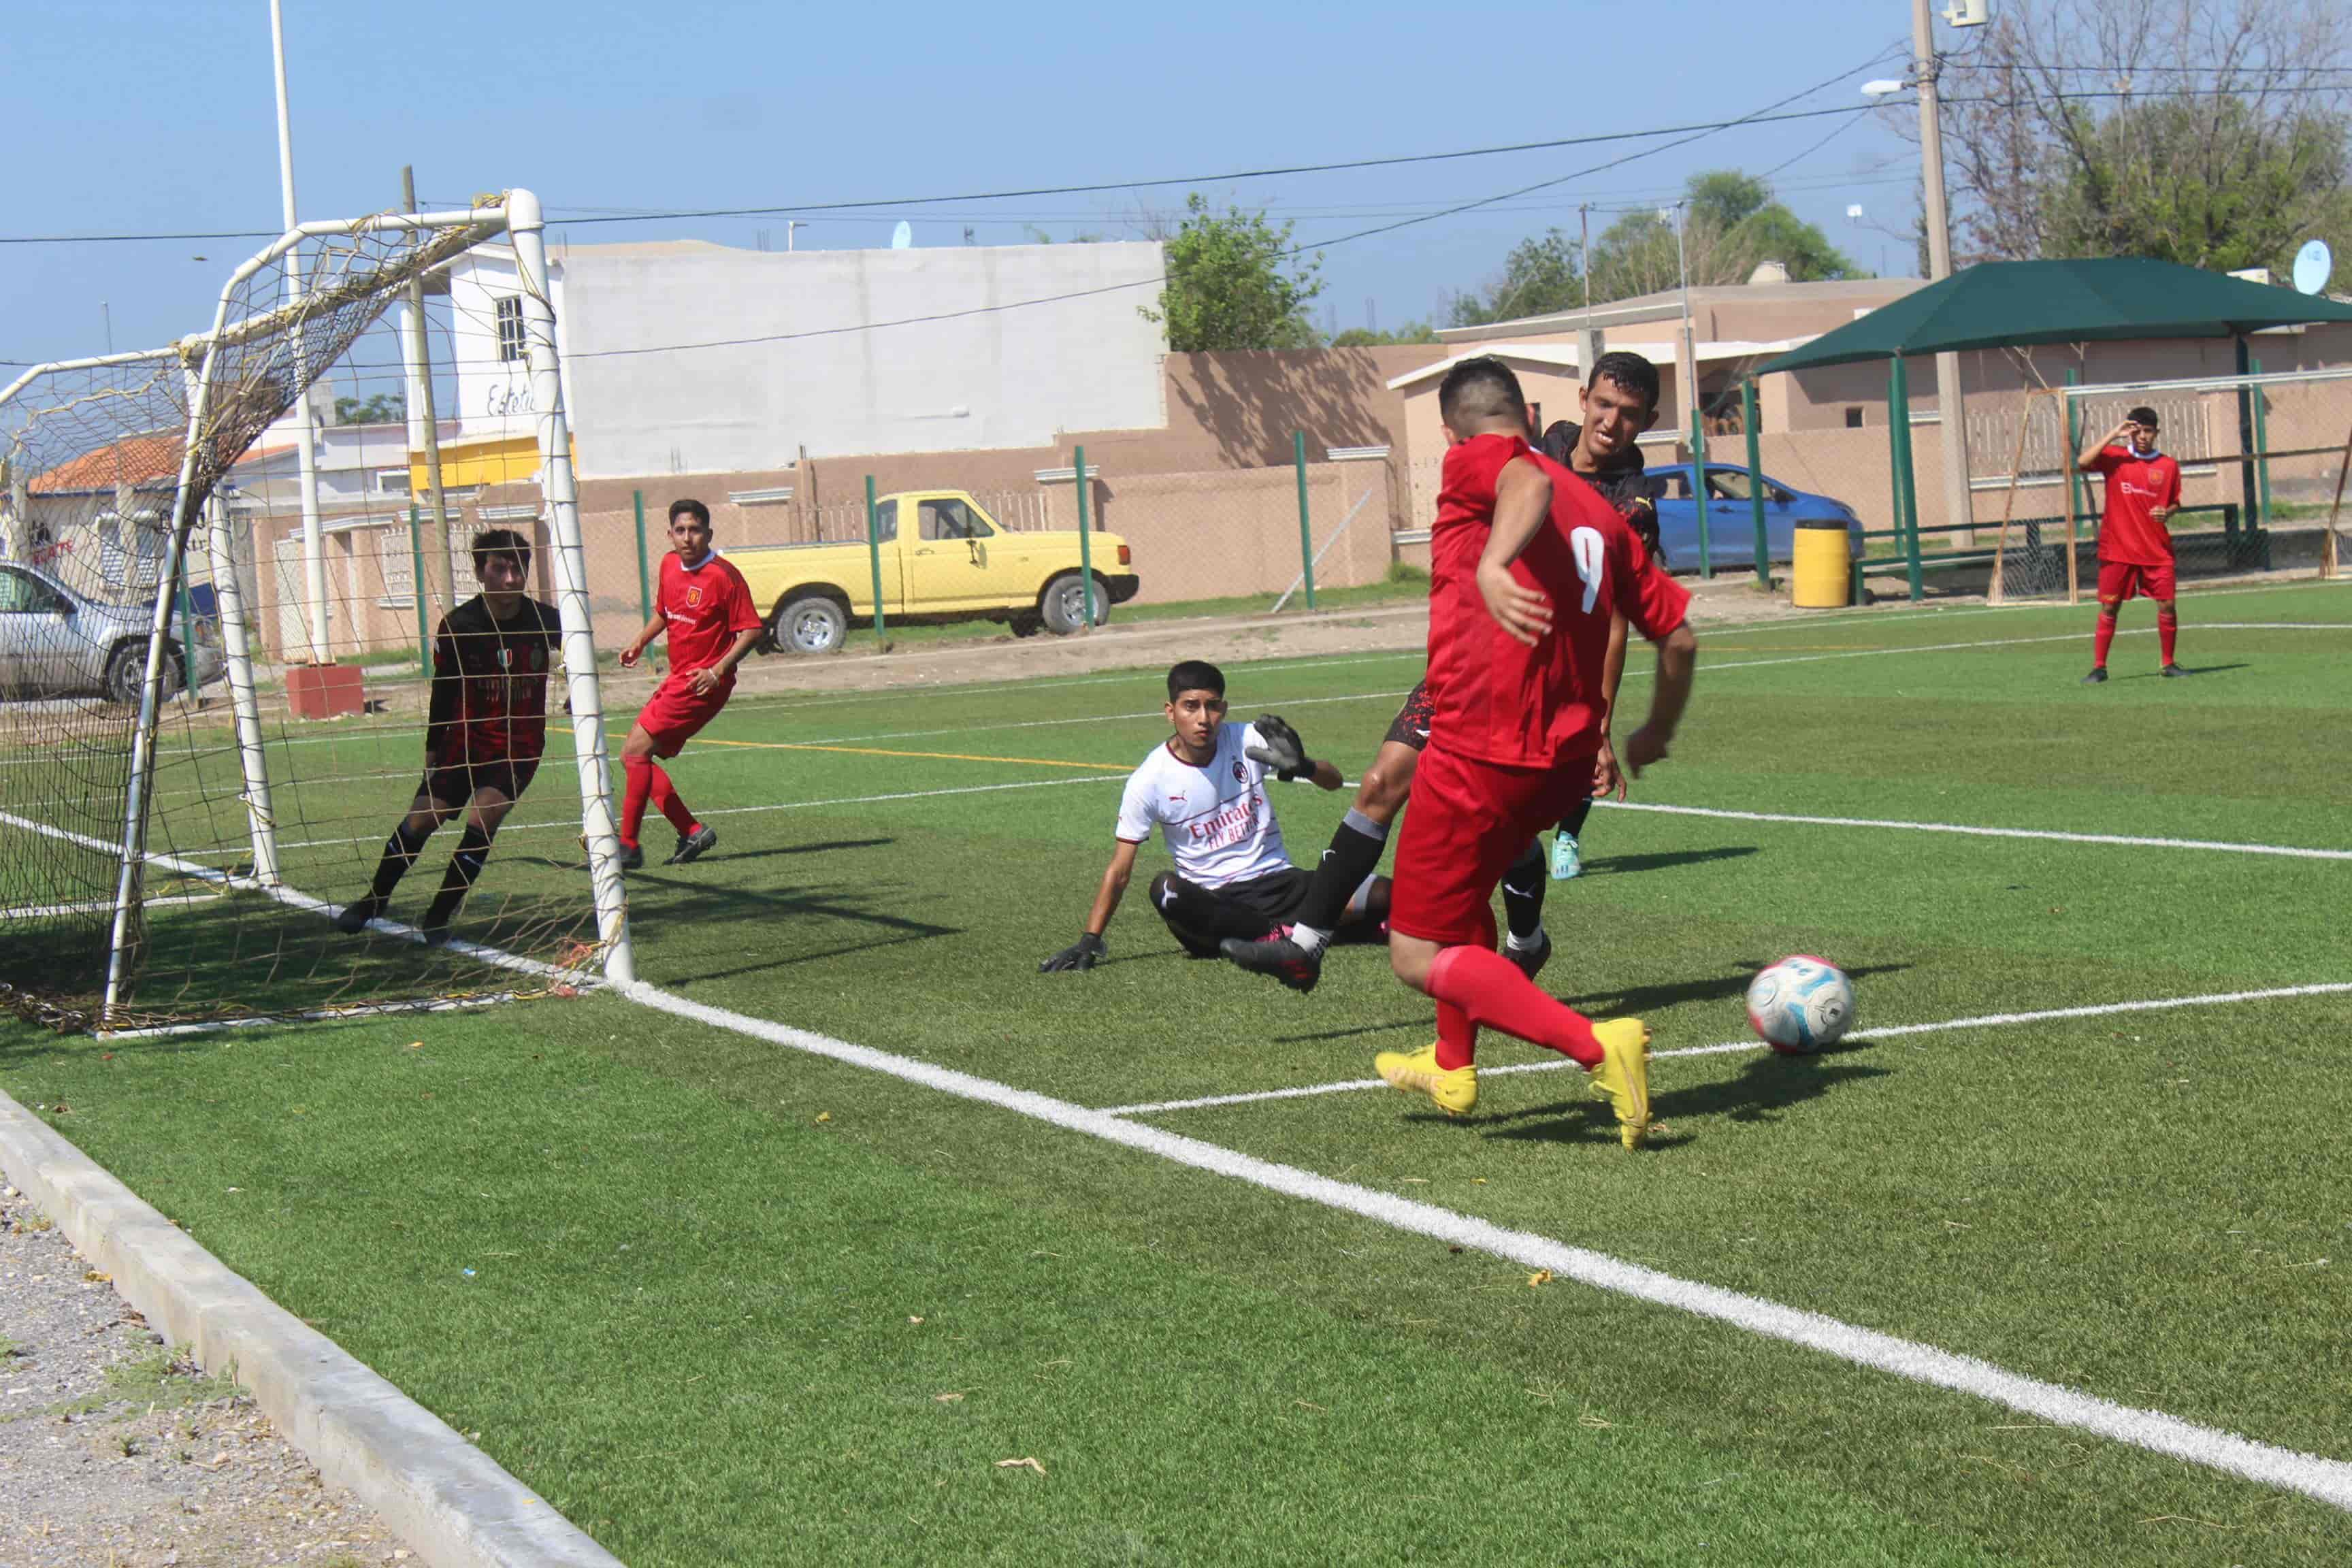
x=316, y=1015
x=496, y=957
x=1726, y=1048
x=100, y=907
x=2314, y=1476
x=739, y=810
x=2222, y=846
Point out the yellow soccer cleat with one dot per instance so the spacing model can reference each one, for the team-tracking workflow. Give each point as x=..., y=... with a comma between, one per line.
x=1417, y=1072
x=1623, y=1077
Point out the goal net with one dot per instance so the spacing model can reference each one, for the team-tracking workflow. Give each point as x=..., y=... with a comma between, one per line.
x=2263, y=457
x=227, y=581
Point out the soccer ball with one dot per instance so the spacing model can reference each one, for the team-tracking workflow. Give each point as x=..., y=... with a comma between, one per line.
x=1799, y=1004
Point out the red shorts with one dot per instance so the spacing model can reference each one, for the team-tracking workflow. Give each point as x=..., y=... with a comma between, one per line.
x=2119, y=581
x=675, y=712
x=1467, y=822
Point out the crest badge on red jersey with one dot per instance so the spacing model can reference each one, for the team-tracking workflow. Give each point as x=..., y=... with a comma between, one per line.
x=694, y=596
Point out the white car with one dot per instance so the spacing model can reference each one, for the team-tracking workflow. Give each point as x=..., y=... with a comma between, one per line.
x=55, y=642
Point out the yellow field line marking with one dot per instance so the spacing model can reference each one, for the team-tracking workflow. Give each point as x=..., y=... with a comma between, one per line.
x=880, y=752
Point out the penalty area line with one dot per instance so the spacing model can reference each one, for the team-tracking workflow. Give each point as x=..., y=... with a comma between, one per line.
x=2314, y=1475
x=1728, y=1047
x=1969, y=830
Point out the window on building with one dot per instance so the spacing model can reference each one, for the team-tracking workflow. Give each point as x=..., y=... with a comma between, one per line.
x=1853, y=418
x=392, y=481
x=511, y=338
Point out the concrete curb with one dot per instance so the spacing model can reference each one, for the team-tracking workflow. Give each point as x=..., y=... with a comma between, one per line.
x=444, y=1497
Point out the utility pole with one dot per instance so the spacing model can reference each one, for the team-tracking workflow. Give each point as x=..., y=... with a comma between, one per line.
x=437, y=587
x=1959, y=510
x=314, y=557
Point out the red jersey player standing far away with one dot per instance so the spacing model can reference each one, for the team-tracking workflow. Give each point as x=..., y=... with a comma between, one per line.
x=706, y=608
x=2134, y=547
x=1526, y=566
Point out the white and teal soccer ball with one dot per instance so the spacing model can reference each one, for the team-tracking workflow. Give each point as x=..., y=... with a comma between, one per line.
x=1801, y=1004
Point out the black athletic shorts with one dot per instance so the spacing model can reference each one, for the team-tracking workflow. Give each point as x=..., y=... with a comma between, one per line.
x=452, y=786
x=1278, y=895
x=1410, y=727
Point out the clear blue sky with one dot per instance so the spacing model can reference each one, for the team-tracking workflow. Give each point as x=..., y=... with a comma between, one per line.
x=157, y=115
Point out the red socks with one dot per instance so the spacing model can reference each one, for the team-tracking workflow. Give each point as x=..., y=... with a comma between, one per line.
x=1486, y=988
x=2168, y=626
x=666, y=800
x=647, y=781
x=638, y=773
x=1457, y=1037
x=2106, y=635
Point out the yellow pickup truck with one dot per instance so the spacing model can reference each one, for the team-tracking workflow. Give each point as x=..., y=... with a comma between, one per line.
x=943, y=559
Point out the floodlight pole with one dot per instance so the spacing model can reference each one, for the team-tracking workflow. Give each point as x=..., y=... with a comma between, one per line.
x=306, y=441
x=1959, y=510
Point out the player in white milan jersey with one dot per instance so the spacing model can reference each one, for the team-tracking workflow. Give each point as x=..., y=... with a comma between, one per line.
x=1205, y=788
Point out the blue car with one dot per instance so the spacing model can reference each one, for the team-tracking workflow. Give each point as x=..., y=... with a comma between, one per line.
x=1731, y=519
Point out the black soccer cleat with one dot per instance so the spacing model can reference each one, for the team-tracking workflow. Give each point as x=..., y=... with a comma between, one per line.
x=1531, y=959
x=434, y=927
x=1276, y=956
x=2097, y=676
x=354, y=916
x=633, y=857
x=691, y=845
x=2174, y=672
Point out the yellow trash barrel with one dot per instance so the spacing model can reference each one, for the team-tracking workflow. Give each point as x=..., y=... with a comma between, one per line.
x=1821, y=575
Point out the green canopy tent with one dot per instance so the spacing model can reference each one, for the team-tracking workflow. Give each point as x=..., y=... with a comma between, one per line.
x=2001, y=304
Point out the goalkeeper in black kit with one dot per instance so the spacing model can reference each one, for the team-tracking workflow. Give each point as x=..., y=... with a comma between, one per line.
x=485, y=733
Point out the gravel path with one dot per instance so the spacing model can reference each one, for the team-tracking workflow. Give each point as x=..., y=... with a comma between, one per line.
x=116, y=1451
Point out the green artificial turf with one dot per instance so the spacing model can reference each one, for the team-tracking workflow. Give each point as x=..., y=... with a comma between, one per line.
x=699, y=1259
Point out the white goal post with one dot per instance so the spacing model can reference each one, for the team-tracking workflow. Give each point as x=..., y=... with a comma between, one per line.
x=268, y=343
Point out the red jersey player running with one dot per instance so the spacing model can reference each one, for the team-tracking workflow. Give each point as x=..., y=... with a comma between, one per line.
x=2134, y=547
x=1527, y=567
x=706, y=608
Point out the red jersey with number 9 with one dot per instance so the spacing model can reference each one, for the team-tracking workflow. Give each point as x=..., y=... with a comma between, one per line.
x=1497, y=699
x=705, y=605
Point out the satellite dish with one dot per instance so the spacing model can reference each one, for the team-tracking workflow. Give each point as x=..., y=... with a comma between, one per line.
x=903, y=237
x=2313, y=263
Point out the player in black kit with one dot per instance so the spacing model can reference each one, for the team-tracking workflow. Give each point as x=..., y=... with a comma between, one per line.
x=484, y=735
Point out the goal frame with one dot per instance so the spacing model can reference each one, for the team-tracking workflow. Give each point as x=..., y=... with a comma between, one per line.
x=2070, y=396
x=520, y=220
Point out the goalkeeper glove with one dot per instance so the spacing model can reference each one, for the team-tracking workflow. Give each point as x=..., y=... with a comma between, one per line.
x=1082, y=954
x=1279, y=748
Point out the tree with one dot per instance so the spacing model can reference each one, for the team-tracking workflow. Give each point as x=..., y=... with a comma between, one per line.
x=1365, y=338
x=1235, y=281
x=383, y=408
x=1542, y=274
x=1731, y=223
x=2205, y=133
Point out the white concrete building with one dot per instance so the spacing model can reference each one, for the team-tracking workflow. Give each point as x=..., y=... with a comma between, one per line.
x=688, y=357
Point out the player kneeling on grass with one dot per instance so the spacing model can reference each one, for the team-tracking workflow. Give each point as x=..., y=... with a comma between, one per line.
x=1526, y=566
x=484, y=732
x=706, y=606
x=1205, y=786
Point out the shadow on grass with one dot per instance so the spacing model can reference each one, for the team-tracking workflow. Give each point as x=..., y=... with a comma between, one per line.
x=1766, y=1086
x=2185, y=670
x=716, y=904
x=1643, y=999
x=1621, y=865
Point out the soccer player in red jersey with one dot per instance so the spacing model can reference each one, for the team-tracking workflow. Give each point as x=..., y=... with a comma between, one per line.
x=706, y=608
x=484, y=732
x=1526, y=566
x=1618, y=401
x=2134, y=547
